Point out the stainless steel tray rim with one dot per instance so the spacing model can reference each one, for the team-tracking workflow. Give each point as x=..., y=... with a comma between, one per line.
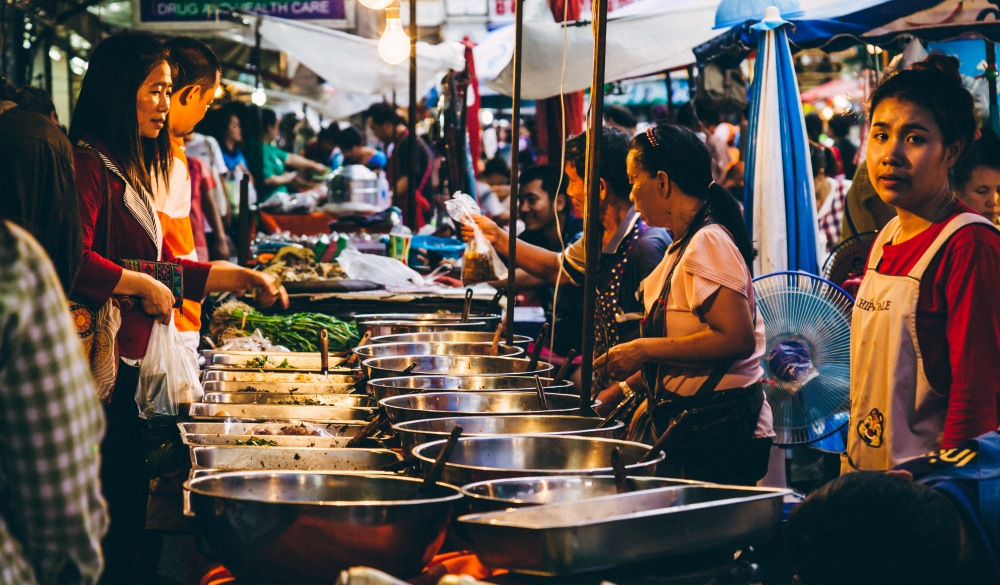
x=496, y=518
x=417, y=452
x=457, y=413
x=467, y=488
x=326, y=503
x=405, y=426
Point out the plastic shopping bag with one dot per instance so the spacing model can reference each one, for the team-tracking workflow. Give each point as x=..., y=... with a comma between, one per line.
x=168, y=376
x=481, y=263
x=378, y=269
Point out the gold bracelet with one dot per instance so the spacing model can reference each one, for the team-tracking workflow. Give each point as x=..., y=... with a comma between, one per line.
x=626, y=389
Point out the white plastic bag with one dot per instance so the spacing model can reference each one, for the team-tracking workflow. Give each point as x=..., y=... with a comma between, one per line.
x=378, y=269
x=481, y=263
x=168, y=376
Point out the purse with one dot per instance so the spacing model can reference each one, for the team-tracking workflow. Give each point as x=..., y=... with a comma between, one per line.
x=97, y=327
x=169, y=274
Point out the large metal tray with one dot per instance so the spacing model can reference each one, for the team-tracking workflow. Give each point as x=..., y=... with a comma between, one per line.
x=208, y=410
x=296, y=441
x=301, y=458
x=308, y=361
x=279, y=387
x=337, y=429
x=293, y=399
x=610, y=531
x=229, y=375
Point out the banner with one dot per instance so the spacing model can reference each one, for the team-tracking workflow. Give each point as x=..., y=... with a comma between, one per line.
x=168, y=11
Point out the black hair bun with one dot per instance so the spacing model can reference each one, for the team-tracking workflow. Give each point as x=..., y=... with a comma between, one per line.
x=940, y=64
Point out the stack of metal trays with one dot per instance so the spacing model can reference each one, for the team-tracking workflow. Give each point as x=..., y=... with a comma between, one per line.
x=340, y=376
x=254, y=360
x=611, y=531
x=292, y=398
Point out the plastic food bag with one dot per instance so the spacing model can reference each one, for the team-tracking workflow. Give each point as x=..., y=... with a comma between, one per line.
x=378, y=269
x=480, y=263
x=168, y=376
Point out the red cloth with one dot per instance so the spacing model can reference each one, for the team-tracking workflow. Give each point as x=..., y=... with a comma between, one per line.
x=472, y=114
x=201, y=183
x=98, y=275
x=958, y=322
x=548, y=112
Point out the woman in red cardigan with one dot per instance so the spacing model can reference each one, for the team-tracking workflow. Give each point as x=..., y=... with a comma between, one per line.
x=116, y=153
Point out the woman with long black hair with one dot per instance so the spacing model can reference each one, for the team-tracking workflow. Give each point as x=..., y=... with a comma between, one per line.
x=701, y=337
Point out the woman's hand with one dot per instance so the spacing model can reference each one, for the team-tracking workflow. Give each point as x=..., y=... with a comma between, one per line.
x=610, y=397
x=621, y=361
x=267, y=287
x=486, y=225
x=155, y=299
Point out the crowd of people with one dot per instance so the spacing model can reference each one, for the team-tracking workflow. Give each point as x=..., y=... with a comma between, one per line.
x=677, y=332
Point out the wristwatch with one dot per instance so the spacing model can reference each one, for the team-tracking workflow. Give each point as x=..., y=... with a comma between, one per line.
x=626, y=389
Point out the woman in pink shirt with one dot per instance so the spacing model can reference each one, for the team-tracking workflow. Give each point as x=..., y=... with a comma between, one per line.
x=701, y=337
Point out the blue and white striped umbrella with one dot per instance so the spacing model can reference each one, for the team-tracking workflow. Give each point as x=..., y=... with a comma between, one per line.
x=779, y=199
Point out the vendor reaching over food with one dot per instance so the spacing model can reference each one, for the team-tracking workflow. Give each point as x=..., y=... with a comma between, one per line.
x=276, y=162
x=924, y=368
x=116, y=155
x=630, y=248
x=701, y=337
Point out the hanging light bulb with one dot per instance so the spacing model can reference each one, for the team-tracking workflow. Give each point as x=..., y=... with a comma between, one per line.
x=375, y=4
x=257, y=97
x=394, y=46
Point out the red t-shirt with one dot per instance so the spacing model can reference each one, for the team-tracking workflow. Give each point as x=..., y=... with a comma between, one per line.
x=958, y=322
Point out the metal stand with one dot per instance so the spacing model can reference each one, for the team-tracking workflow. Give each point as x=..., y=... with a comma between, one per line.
x=413, y=177
x=592, y=221
x=515, y=142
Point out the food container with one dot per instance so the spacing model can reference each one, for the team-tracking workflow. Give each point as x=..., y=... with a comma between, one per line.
x=610, y=531
x=325, y=436
x=434, y=348
x=255, y=360
x=303, y=528
x=389, y=367
x=447, y=404
x=354, y=184
x=301, y=458
x=386, y=387
x=294, y=399
x=334, y=377
x=521, y=341
x=278, y=387
x=491, y=321
x=215, y=410
x=483, y=458
x=418, y=432
x=522, y=492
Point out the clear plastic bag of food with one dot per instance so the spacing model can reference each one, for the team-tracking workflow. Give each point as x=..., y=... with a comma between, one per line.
x=480, y=263
x=168, y=376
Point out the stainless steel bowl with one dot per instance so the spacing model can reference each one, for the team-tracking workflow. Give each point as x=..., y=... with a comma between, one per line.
x=301, y=458
x=303, y=528
x=521, y=341
x=417, y=432
x=484, y=458
x=388, y=367
x=490, y=321
x=434, y=348
x=386, y=387
x=446, y=404
x=380, y=328
x=521, y=492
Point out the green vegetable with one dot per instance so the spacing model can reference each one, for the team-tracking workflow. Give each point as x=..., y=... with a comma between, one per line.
x=301, y=402
x=257, y=362
x=297, y=331
x=284, y=364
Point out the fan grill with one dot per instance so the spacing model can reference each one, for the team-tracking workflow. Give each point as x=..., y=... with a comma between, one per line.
x=847, y=261
x=802, y=308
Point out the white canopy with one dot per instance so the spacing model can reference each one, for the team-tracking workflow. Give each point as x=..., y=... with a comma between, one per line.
x=645, y=37
x=352, y=64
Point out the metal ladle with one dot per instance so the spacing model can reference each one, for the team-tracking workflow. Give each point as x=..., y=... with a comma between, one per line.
x=542, y=402
x=658, y=445
x=618, y=465
x=430, y=480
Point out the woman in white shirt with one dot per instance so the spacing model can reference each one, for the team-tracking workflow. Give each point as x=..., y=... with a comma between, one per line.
x=701, y=337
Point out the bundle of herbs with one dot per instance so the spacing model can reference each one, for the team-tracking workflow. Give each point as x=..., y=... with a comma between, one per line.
x=296, y=331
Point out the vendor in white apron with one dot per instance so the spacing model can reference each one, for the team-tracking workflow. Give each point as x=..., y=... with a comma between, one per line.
x=925, y=365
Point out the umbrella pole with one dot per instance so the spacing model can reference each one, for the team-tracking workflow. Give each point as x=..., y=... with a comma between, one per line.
x=592, y=233
x=991, y=82
x=412, y=178
x=515, y=143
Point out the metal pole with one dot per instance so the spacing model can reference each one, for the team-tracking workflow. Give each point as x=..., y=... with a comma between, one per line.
x=592, y=221
x=412, y=177
x=243, y=224
x=255, y=57
x=670, y=92
x=991, y=82
x=515, y=147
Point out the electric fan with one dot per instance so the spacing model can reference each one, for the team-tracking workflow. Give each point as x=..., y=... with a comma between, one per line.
x=807, y=322
x=847, y=261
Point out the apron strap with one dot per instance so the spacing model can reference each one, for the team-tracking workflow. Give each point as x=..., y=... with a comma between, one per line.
x=885, y=236
x=958, y=222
